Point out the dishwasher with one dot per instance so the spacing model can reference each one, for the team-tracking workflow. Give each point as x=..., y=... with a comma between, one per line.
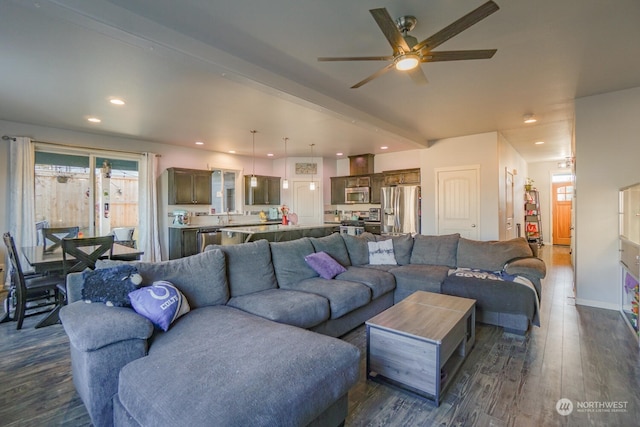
x=208, y=236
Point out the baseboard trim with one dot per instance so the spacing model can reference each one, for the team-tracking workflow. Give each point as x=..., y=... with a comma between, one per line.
x=597, y=304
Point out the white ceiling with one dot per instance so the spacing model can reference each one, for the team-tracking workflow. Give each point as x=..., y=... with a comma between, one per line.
x=213, y=70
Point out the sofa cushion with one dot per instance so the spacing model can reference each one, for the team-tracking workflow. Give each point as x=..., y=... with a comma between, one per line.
x=343, y=296
x=201, y=278
x=332, y=244
x=324, y=265
x=379, y=281
x=249, y=267
x=420, y=277
x=490, y=255
x=301, y=309
x=161, y=303
x=435, y=250
x=248, y=381
x=358, y=248
x=402, y=246
x=381, y=253
x=288, y=261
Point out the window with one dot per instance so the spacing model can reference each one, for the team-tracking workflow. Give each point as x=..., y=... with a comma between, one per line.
x=224, y=190
x=97, y=191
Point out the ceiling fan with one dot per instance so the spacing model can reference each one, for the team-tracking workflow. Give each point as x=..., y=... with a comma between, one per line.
x=408, y=53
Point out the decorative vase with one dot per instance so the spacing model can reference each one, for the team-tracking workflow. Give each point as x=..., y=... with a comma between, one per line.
x=285, y=220
x=527, y=187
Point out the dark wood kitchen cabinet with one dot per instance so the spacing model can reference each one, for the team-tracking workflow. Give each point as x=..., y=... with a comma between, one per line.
x=266, y=193
x=189, y=186
x=338, y=184
x=403, y=176
x=377, y=182
x=182, y=242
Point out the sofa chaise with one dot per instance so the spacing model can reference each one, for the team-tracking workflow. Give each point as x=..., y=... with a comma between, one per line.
x=259, y=345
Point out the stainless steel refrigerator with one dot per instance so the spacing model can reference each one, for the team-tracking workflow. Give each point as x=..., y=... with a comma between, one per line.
x=400, y=209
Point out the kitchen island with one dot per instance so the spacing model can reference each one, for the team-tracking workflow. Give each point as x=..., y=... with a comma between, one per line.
x=274, y=232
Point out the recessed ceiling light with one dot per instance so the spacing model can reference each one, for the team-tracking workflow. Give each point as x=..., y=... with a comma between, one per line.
x=269, y=154
x=339, y=154
x=94, y=119
x=530, y=118
x=384, y=147
x=199, y=143
x=232, y=151
x=116, y=101
x=539, y=142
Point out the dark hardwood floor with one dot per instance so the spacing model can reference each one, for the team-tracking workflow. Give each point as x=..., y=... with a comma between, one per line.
x=585, y=354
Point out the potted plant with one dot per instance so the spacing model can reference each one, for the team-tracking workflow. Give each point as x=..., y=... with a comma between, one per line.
x=528, y=186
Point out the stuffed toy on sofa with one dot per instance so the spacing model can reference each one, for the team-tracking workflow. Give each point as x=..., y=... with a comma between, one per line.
x=111, y=286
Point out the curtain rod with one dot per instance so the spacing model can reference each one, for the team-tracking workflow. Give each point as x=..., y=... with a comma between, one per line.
x=57, y=144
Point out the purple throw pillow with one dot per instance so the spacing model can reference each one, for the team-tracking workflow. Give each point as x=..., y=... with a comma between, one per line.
x=161, y=303
x=324, y=265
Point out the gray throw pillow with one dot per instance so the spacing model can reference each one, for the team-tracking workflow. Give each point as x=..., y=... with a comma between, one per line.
x=402, y=246
x=358, y=248
x=249, y=267
x=435, y=250
x=333, y=245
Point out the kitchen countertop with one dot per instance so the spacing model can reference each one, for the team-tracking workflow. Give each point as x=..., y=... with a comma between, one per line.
x=267, y=228
x=221, y=226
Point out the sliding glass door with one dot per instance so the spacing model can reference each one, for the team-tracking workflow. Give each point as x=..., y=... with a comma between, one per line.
x=96, y=191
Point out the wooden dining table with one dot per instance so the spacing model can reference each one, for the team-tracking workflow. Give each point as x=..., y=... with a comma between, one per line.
x=43, y=261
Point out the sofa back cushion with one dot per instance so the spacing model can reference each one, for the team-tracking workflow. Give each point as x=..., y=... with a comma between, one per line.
x=491, y=255
x=358, y=247
x=435, y=250
x=334, y=246
x=249, y=267
x=402, y=246
x=201, y=278
x=288, y=261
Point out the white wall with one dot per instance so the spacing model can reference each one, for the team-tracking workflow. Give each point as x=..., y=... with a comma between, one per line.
x=510, y=160
x=607, y=154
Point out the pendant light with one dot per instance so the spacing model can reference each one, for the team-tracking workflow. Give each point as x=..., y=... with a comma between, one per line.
x=254, y=180
x=312, y=185
x=285, y=182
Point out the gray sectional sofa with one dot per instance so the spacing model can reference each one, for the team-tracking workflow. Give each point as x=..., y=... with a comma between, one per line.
x=258, y=346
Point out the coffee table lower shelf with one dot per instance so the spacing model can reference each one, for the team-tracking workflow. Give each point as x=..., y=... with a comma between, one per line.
x=420, y=343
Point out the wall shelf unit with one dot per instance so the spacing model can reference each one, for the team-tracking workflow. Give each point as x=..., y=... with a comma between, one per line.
x=532, y=224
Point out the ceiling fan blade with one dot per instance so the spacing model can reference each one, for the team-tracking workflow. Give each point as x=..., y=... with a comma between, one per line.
x=458, y=26
x=373, y=76
x=357, y=58
x=418, y=76
x=390, y=30
x=458, y=55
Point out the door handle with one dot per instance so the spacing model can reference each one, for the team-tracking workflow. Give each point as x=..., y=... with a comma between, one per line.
x=473, y=226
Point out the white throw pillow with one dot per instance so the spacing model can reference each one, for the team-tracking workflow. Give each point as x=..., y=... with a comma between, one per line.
x=381, y=253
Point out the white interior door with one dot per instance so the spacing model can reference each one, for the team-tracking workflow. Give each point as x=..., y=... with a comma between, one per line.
x=458, y=208
x=307, y=203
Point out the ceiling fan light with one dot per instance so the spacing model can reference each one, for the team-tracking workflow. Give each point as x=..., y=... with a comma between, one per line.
x=407, y=62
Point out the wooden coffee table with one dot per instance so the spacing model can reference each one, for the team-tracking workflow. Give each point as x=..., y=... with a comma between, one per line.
x=419, y=343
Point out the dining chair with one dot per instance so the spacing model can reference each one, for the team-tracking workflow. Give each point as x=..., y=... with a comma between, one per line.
x=39, y=291
x=53, y=236
x=78, y=254
x=124, y=236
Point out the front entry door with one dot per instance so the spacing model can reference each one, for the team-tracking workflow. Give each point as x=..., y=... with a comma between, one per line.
x=562, y=202
x=458, y=195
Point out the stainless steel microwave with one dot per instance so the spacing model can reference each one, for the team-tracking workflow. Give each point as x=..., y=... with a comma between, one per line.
x=355, y=195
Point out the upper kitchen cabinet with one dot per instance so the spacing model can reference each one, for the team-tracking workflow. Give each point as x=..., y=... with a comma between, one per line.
x=358, y=181
x=189, y=186
x=403, y=176
x=338, y=184
x=266, y=193
x=377, y=182
x=361, y=164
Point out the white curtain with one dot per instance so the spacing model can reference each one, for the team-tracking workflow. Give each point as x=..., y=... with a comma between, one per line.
x=149, y=240
x=22, y=216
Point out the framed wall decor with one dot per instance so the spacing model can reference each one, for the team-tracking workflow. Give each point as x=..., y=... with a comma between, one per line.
x=306, y=168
